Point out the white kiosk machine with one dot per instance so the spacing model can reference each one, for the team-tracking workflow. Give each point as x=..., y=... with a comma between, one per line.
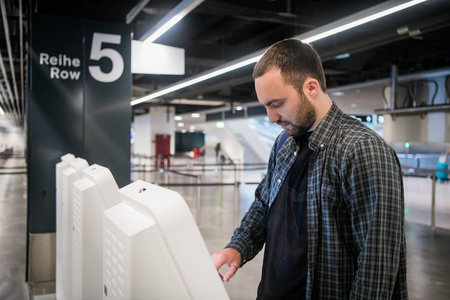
x=60, y=168
x=92, y=195
x=152, y=249
x=64, y=228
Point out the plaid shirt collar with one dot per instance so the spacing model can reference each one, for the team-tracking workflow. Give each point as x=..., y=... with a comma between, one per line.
x=323, y=134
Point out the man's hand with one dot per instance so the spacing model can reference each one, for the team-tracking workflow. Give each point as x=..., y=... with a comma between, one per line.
x=230, y=257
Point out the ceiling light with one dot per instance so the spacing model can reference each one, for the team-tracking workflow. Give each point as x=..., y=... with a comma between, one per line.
x=163, y=28
x=338, y=94
x=195, y=115
x=342, y=56
x=239, y=108
x=183, y=130
x=364, y=20
x=220, y=124
x=197, y=79
x=178, y=118
x=181, y=124
x=172, y=18
x=332, y=28
x=197, y=102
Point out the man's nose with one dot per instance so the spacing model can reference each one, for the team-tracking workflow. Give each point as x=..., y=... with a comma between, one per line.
x=273, y=115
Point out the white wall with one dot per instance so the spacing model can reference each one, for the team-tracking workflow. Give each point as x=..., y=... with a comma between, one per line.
x=437, y=127
x=147, y=126
x=142, y=135
x=447, y=125
x=405, y=128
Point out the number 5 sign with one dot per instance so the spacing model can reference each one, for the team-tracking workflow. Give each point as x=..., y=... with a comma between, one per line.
x=97, y=53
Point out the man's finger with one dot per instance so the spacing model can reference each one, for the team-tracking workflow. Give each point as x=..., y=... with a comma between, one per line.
x=230, y=273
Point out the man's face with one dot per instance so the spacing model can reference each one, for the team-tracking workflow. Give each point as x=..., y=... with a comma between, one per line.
x=293, y=112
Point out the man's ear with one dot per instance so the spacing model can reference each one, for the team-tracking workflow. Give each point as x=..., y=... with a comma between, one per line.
x=311, y=87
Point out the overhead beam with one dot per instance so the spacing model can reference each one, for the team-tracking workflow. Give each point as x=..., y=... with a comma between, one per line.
x=260, y=15
x=11, y=61
x=135, y=11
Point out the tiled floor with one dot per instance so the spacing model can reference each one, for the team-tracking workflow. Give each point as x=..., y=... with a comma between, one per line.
x=218, y=211
x=13, y=217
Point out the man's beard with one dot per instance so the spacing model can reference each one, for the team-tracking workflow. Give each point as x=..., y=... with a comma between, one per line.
x=304, y=120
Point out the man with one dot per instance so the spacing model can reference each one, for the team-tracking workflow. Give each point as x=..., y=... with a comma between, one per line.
x=330, y=209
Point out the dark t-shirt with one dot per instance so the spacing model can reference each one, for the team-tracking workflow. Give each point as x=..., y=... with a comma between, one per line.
x=285, y=262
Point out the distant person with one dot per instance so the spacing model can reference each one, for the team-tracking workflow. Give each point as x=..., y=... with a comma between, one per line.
x=202, y=150
x=330, y=210
x=446, y=153
x=217, y=148
x=442, y=165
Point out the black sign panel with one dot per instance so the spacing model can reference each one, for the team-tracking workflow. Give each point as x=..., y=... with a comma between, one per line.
x=79, y=103
x=107, y=92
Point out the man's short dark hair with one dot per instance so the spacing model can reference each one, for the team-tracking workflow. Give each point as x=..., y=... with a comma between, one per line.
x=296, y=61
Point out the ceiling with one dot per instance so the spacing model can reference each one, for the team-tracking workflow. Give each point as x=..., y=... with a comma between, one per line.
x=219, y=31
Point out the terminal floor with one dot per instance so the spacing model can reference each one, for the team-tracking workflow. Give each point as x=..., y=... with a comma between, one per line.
x=217, y=211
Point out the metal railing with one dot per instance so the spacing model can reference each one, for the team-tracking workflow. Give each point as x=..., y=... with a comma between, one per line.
x=10, y=153
x=434, y=179
x=188, y=170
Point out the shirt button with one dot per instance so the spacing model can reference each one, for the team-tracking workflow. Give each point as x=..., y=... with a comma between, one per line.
x=295, y=153
x=279, y=180
x=322, y=145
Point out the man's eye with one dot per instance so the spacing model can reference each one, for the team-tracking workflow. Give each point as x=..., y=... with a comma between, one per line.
x=276, y=105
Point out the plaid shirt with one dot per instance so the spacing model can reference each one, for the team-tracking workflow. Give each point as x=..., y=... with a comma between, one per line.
x=356, y=235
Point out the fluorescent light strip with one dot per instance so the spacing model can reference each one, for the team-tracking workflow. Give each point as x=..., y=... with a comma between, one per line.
x=179, y=12
x=197, y=80
x=164, y=28
x=256, y=58
x=362, y=21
